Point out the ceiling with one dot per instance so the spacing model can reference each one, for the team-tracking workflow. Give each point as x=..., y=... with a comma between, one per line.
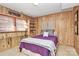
x=41, y=9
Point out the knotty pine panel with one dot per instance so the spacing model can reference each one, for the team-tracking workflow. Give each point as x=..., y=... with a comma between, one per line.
x=67, y=29
x=10, y=39
x=5, y=11
x=76, y=36
x=63, y=25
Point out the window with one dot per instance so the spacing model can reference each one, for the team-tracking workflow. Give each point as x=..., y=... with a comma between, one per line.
x=21, y=25
x=6, y=24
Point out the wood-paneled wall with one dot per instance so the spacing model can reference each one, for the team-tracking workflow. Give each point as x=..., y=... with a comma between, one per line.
x=12, y=39
x=76, y=36
x=64, y=26
x=5, y=11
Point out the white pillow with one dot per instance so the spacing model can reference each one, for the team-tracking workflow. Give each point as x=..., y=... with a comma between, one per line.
x=45, y=34
x=55, y=34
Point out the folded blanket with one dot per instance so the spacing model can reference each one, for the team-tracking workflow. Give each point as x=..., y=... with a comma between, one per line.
x=48, y=44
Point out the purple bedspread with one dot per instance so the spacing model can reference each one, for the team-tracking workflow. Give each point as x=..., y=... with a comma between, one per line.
x=50, y=37
x=38, y=49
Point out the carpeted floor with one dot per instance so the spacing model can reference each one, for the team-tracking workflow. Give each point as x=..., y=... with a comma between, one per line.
x=61, y=51
x=12, y=52
x=66, y=51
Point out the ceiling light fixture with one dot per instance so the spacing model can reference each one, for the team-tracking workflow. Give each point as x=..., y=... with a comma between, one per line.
x=36, y=4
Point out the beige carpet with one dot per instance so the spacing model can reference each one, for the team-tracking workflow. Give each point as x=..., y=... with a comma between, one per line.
x=12, y=52
x=64, y=50
x=61, y=51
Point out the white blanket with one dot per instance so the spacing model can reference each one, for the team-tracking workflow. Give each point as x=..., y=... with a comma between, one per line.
x=48, y=44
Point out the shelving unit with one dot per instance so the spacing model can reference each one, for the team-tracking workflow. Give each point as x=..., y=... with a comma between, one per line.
x=33, y=27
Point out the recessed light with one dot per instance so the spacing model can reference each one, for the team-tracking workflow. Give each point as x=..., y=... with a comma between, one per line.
x=36, y=4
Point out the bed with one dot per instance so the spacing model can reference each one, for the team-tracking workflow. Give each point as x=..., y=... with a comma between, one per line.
x=37, y=48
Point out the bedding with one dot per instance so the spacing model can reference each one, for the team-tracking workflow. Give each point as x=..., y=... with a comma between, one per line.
x=45, y=34
x=43, y=43
x=50, y=37
x=43, y=49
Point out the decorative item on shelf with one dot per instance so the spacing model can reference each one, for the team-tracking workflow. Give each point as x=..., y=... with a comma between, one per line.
x=12, y=12
x=76, y=22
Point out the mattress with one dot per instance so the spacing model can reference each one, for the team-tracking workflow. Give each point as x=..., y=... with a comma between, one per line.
x=39, y=49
